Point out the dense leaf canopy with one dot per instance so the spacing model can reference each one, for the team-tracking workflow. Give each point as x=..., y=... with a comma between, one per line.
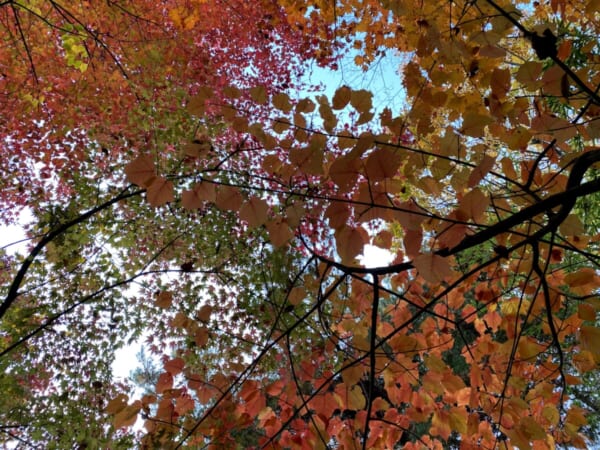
x=180, y=186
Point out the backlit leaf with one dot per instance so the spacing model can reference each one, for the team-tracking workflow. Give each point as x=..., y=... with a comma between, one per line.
x=433, y=268
x=160, y=192
x=141, y=171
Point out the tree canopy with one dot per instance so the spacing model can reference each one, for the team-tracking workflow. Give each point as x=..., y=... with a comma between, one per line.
x=180, y=186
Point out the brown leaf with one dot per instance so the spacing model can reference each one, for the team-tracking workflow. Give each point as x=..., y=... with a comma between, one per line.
x=141, y=171
x=160, y=192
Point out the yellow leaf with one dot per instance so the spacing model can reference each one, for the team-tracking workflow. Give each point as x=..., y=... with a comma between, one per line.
x=160, y=192
x=141, y=171
x=433, y=268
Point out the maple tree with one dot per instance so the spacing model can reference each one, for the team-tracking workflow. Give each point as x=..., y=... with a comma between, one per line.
x=183, y=193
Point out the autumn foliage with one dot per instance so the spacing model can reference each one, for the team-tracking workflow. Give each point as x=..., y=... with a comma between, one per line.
x=186, y=190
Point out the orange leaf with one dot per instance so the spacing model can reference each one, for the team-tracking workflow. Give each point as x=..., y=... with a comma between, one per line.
x=141, y=171
x=160, y=192
x=582, y=277
x=432, y=267
x=281, y=101
x=201, y=337
x=361, y=100
x=344, y=171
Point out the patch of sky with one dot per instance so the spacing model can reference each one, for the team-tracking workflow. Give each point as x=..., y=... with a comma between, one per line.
x=382, y=78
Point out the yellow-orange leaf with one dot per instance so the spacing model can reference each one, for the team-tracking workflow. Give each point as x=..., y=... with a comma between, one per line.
x=356, y=399
x=529, y=74
x=141, y=171
x=433, y=268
